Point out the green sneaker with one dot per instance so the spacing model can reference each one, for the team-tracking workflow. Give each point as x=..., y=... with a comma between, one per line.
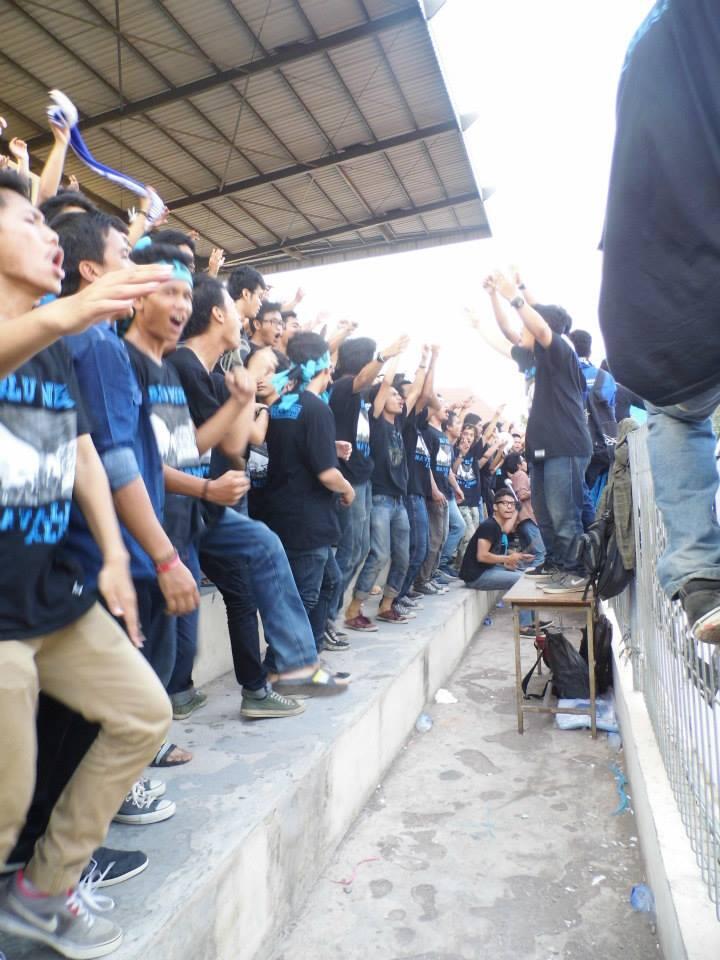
x=181, y=711
x=274, y=705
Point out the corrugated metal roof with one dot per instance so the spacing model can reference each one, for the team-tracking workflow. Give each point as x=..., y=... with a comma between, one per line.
x=286, y=131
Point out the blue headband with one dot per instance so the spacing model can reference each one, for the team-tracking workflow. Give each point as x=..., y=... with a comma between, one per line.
x=180, y=271
x=301, y=374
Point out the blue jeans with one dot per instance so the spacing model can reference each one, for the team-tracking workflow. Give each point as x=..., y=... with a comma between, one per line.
x=158, y=628
x=419, y=538
x=316, y=576
x=531, y=538
x=681, y=445
x=558, y=496
x=497, y=578
x=235, y=536
x=455, y=533
x=181, y=688
x=389, y=540
x=354, y=541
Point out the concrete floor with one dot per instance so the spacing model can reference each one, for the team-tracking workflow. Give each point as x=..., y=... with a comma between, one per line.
x=484, y=844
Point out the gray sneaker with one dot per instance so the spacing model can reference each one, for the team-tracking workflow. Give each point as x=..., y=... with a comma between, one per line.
x=568, y=583
x=67, y=923
x=274, y=705
x=139, y=807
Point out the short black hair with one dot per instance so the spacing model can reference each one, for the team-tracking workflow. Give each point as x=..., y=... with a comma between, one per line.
x=267, y=306
x=175, y=238
x=15, y=182
x=306, y=346
x=582, y=341
x=83, y=236
x=471, y=420
x=286, y=314
x=512, y=463
x=244, y=278
x=504, y=493
x=557, y=318
x=208, y=292
x=353, y=355
x=159, y=253
x=54, y=206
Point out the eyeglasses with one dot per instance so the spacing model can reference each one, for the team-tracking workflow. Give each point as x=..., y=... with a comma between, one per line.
x=275, y=323
x=505, y=503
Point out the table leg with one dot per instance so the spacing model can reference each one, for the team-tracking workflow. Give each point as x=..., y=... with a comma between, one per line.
x=591, y=663
x=518, y=669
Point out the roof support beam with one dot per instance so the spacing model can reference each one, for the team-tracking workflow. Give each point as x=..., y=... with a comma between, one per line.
x=329, y=160
x=389, y=217
x=291, y=53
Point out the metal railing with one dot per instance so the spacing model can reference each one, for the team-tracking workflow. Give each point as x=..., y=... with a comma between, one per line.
x=679, y=679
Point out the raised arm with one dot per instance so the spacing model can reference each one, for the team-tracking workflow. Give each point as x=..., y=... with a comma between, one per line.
x=387, y=382
x=229, y=428
x=416, y=387
x=531, y=319
x=52, y=172
x=369, y=372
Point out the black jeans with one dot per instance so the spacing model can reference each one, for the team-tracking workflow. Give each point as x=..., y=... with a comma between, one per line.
x=232, y=580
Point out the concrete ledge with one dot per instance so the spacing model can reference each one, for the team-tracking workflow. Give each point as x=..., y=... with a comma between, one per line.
x=687, y=926
x=263, y=805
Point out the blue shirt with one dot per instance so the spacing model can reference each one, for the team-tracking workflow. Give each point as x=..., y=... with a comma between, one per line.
x=121, y=430
x=608, y=388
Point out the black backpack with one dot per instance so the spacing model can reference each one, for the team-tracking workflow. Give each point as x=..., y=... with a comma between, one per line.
x=598, y=552
x=570, y=675
x=602, y=638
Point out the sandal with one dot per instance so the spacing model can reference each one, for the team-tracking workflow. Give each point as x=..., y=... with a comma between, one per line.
x=162, y=757
x=320, y=684
x=392, y=616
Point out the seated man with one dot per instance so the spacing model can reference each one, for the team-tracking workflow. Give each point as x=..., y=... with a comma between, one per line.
x=487, y=565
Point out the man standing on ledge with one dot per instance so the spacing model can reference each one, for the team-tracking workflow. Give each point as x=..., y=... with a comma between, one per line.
x=660, y=297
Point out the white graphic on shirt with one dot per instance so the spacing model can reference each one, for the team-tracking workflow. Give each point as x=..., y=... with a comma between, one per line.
x=175, y=435
x=444, y=457
x=466, y=474
x=362, y=435
x=38, y=454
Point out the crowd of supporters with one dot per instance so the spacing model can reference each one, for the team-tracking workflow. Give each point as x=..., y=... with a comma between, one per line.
x=165, y=427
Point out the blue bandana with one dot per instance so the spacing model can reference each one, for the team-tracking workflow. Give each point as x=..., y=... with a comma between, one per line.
x=180, y=271
x=301, y=375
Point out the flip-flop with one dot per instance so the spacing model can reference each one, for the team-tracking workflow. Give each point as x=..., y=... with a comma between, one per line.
x=321, y=684
x=161, y=757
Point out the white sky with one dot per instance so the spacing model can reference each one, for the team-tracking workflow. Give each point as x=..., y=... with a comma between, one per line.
x=543, y=76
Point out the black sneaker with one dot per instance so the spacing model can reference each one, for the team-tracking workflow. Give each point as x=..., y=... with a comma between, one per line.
x=701, y=603
x=334, y=640
x=414, y=595
x=109, y=867
x=530, y=631
x=428, y=589
x=544, y=572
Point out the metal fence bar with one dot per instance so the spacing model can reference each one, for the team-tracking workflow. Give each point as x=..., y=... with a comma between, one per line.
x=679, y=679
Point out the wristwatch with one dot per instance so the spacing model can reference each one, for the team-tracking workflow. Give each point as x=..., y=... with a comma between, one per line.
x=517, y=302
x=379, y=357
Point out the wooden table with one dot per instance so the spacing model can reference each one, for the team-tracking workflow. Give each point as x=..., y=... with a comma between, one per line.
x=527, y=595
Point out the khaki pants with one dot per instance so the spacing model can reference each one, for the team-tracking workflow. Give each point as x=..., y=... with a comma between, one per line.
x=471, y=516
x=92, y=667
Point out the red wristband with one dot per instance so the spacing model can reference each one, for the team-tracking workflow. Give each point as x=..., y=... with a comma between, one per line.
x=168, y=565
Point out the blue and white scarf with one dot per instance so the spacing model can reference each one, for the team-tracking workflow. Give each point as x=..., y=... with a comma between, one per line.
x=63, y=113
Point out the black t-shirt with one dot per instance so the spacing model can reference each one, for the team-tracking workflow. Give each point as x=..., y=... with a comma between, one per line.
x=352, y=424
x=441, y=458
x=175, y=436
x=624, y=399
x=390, y=473
x=206, y=393
x=489, y=530
x=660, y=296
x=301, y=445
x=468, y=475
x=40, y=420
x=557, y=425
x=418, y=457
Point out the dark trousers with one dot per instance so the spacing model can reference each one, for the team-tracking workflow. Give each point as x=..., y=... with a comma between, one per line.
x=317, y=577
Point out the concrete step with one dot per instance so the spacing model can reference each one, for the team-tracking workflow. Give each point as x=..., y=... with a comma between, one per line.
x=263, y=805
